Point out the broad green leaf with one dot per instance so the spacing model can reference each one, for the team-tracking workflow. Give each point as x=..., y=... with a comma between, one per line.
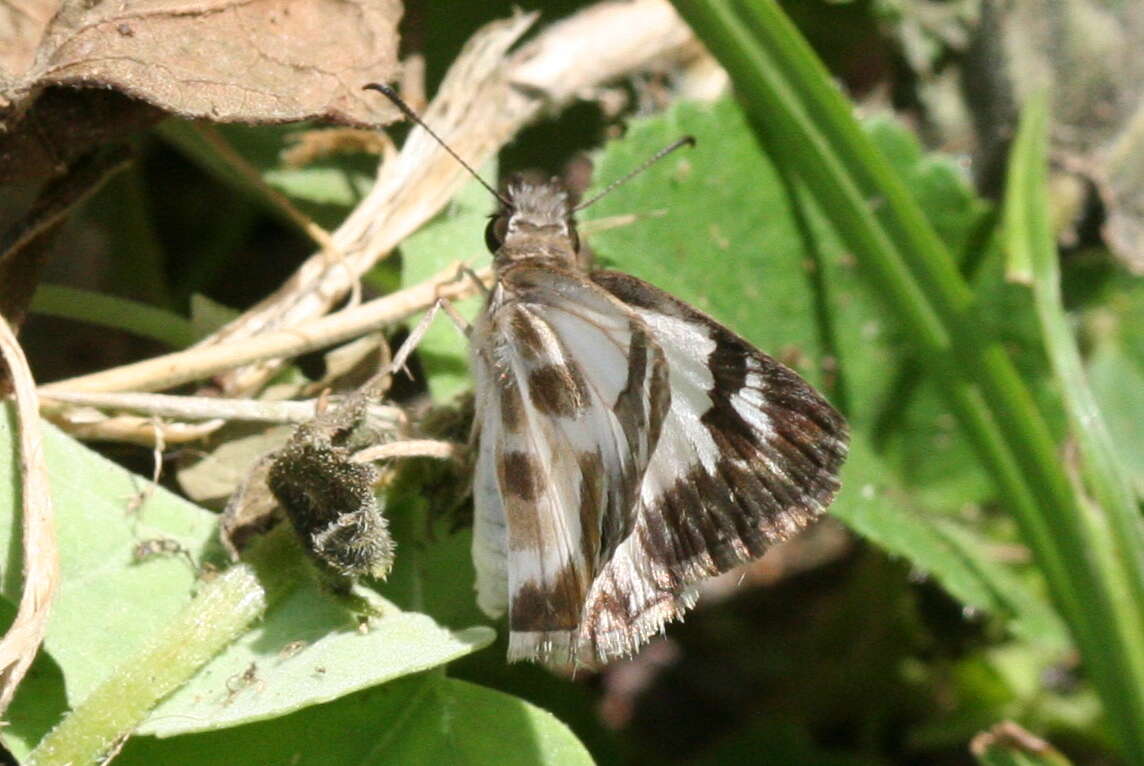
x=455, y=235
x=40, y=702
x=309, y=650
x=425, y=719
x=107, y=604
x=713, y=227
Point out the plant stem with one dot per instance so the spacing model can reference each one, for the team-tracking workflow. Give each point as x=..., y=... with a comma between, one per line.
x=215, y=617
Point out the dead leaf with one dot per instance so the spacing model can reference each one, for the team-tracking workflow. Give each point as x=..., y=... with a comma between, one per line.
x=261, y=61
x=22, y=25
x=227, y=61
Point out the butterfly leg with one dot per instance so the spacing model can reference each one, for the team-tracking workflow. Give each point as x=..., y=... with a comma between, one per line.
x=422, y=327
x=464, y=271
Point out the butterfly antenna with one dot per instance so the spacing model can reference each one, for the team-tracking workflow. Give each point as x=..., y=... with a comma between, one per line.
x=685, y=141
x=391, y=94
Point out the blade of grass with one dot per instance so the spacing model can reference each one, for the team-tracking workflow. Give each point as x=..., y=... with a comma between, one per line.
x=802, y=119
x=1114, y=521
x=113, y=311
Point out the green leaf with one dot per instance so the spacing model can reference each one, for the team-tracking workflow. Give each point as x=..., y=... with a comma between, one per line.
x=111, y=608
x=454, y=235
x=107, y=603
x=425, y=719
x=309, y=650
x=113, y=311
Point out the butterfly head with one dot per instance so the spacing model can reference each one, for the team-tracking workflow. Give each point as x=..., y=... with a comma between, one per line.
x=535, y=222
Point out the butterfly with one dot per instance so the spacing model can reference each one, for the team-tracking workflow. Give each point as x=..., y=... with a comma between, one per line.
x=628, y=445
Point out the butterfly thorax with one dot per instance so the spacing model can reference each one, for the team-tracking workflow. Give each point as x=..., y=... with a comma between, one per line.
x=536, y=225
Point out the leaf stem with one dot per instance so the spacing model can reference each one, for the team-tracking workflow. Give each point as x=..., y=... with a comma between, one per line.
x=214, y=618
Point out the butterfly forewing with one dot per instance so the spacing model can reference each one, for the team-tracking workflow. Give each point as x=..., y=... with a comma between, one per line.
x=559, y=468
x=748, y=455
x=629, y=447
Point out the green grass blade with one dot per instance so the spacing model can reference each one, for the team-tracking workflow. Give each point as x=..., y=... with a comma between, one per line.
x=1113, y=523
x=806, y=124
x=112, y=311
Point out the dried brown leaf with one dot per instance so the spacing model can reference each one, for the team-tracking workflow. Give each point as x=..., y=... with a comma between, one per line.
x=22, y=25
x=225, y=60
x=103, y=70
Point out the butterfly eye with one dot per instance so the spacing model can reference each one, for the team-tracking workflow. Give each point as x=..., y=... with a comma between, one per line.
x=495, y=232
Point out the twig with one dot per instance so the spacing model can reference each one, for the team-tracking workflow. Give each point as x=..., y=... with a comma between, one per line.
x=410, y=448
x=41, y=556
x=205, y=408
x=203, y=361
x=132, y=429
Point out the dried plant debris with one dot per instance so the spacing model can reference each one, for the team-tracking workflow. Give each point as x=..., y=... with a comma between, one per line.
x=329, y=500
x=251, y=510
x=266, y=61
